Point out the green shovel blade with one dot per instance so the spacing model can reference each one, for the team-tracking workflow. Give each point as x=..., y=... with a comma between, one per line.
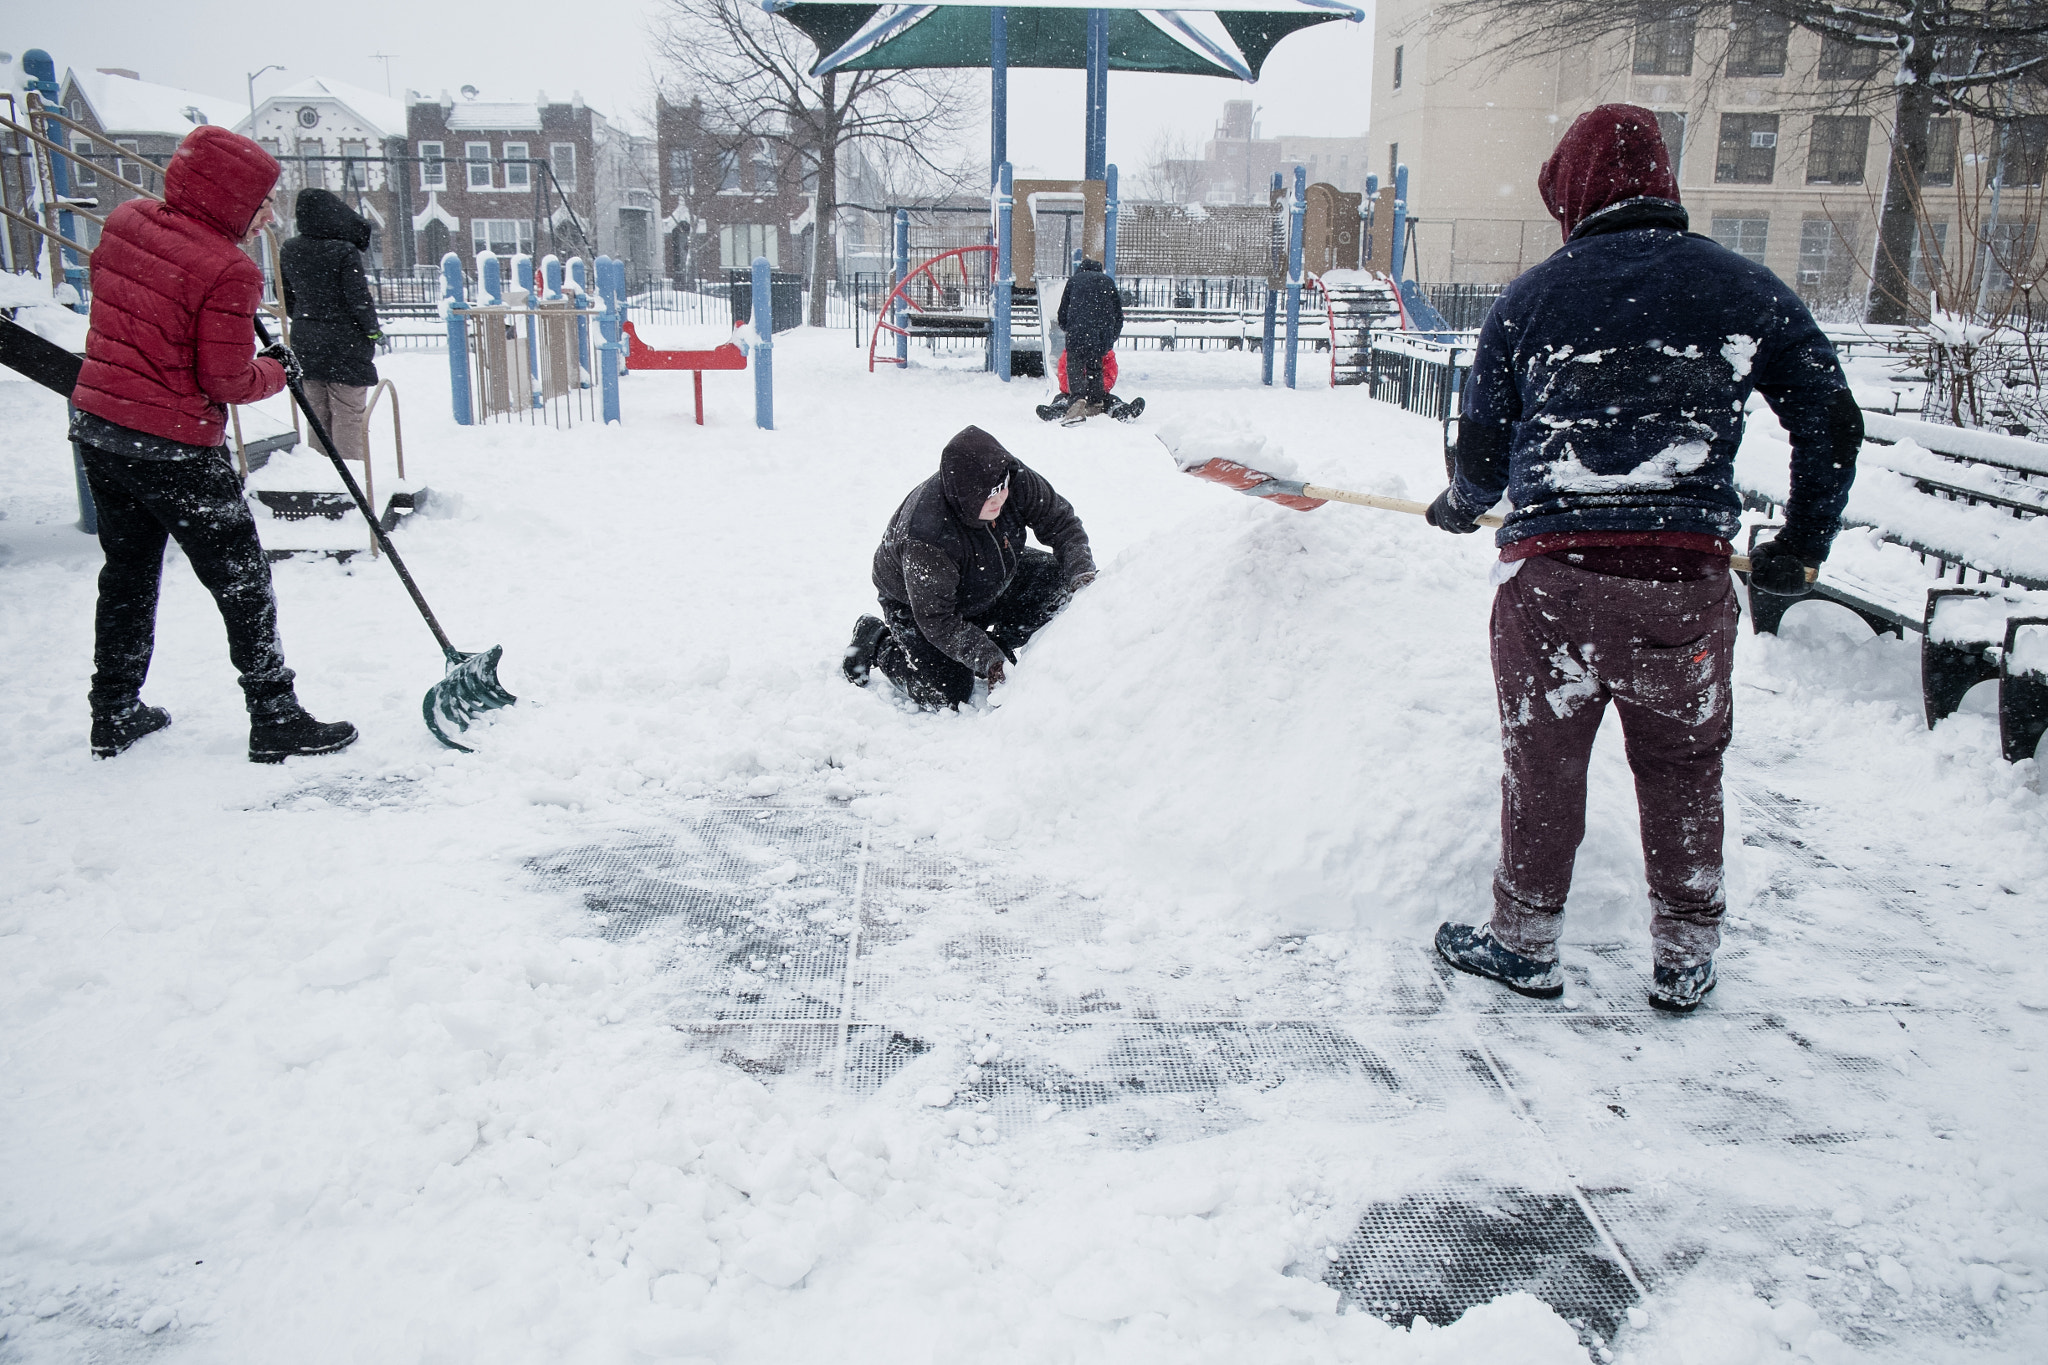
x=470, y=689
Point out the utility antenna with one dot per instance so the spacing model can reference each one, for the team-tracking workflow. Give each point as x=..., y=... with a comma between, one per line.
x=384, y=57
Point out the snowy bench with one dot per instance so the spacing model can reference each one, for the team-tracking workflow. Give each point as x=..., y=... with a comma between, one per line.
x=1935, y=497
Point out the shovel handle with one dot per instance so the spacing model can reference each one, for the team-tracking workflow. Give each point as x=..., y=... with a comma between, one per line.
x=1738, y=563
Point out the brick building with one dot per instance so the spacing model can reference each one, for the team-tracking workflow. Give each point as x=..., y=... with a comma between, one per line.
x=726, y=199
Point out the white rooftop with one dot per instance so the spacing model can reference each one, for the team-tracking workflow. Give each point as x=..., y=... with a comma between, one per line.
x=477, y=114
x=129, y=106
x=382, y=112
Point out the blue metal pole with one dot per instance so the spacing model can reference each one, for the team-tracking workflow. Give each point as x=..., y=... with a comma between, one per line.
x=1365, y=212
x=609, y=347
x=1109, y=224
x=490, y=278
x=901, y=315
x=41, y=69
x=458, y=338
x=1097, y=152
x=580, y=277
x=998, y=91
x=1396, y=261
x=1297, y=209
x=1266, y=349
x=1006, y=201
x=764, y=349
x=522, y=271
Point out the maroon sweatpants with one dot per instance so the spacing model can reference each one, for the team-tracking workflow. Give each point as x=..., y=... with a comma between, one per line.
x=1567, y=641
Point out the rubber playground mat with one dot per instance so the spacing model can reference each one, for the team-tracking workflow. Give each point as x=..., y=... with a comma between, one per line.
x=805, y=953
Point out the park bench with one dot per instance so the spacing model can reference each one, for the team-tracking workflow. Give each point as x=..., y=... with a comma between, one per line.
x=1932, y=506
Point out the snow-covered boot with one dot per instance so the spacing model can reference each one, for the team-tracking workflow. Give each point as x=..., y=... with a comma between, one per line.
x=1126, y=412
x=290, y=731
x=1679, y=990
x=868, y=634
x=1080, y=410
x=1474, y=949
x=116, y=731
x=1056, y=409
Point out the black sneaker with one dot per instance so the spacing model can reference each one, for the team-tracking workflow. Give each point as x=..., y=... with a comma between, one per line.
x=1127, y=412
x=295, y=732
x=1474, y=949
x=111, y=734
x=1056, y=409
x=868, y=634
x=1679, y=990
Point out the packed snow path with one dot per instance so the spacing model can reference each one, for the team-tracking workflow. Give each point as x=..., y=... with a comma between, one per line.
x=716, y=1010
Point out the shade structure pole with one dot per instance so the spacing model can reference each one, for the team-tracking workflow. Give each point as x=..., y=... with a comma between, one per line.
x=999, y=91
x=1297, y=205
x=1097, y=156
x=902, y=315
x=1110, y=207
x=1005, y=281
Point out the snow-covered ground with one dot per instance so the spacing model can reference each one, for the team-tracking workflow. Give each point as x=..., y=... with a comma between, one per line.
x=716, y=1010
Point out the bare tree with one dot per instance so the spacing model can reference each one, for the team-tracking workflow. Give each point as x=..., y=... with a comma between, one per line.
x=752, y=75
x=1985, y=59
x=1174, y=170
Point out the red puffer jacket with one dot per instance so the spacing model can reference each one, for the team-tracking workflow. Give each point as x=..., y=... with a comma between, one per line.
x=173, y=296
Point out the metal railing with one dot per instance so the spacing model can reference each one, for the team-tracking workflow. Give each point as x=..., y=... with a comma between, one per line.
x=532, y=365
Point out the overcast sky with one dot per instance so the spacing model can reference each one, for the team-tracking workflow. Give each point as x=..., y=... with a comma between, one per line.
x=1316, y=82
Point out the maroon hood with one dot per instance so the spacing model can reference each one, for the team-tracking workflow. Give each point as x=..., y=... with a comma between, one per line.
x=220, y=178
x=1610, y=154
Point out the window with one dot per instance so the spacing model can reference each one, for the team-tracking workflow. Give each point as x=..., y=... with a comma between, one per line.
x=476, y=157
x=1838, y=149
x=1756, y=42
x=2008, y=248
x=764, y=174
x=433, y=168
x=728, y=172
x=506, y=236
x=1827, y=259
x=1749, y=149
x=562, y=162
x=1940, y=168
x=273, y=146
x=1843, y=60
x=518, y=174
x=312, y=170
x=740, y=243
x=130, y=167
x=1397, y=68
x=1931, y=241
x=1393, y=162
x=1664, y=46
x=2026, y=152
x=682, y=174
x=357, y=165
x=1743, y=236
x=1671, y=127
x=83, y=172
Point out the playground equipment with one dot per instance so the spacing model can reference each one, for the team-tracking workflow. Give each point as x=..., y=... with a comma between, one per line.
x=644, y=357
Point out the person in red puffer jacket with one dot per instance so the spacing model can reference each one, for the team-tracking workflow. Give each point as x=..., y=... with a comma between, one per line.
x=172, y=342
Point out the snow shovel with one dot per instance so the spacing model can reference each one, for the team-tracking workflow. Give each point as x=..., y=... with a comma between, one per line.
x=471, y=686
x=1306, y=497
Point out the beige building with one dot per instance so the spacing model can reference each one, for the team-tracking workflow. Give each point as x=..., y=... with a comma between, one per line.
x=1773, y=161
x=1238, y=162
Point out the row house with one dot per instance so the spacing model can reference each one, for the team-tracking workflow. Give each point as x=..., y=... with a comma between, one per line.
x=136, y=126
x=727, y=198
x=328, y=134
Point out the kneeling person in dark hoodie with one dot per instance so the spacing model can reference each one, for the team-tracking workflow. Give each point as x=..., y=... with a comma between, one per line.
x=960, y=591
x=334, y=323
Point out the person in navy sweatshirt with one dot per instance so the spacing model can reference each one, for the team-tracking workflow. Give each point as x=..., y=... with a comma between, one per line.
x=1606, y=401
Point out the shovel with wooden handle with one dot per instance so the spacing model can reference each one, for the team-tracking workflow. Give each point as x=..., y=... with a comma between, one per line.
x=1306, y=497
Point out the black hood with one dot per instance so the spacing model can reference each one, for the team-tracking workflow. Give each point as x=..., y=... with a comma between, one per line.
x=322, y=214
x=1087, y=264
x=973, y=466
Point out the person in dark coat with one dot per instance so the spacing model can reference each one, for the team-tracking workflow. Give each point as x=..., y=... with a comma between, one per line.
x=334, y=322
x=172, y=341
x=960, y=590
x=1091, y=314
x=1606, y=400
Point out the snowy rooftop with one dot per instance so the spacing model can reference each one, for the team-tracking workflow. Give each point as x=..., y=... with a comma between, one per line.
x=131, y=106
x=480, y=115
x=382, y=112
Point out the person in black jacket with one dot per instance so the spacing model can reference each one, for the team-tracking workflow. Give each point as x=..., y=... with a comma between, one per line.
x=334, y=323
x=960, y=591
x=1606, y=401
x=1092, y=315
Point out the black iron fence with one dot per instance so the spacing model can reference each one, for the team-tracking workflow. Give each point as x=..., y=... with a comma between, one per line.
x=1464, y=306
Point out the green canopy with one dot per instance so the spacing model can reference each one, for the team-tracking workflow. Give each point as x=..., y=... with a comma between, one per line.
x=960, y=36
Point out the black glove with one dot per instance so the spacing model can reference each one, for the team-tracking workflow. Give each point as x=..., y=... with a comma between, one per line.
x=1779, y=569
x=1446, y=515
x=282, y=354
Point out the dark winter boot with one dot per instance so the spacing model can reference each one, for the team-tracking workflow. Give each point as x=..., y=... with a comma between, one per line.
x=289, y=731
x=1679, y=990
x=1080, y=410
x=113, y=733
x=868, y=634
x=1474, y=949
x=1126, y=412
x=1056, y=409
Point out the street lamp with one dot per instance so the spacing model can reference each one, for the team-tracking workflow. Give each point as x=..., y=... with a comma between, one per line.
x=274, y=66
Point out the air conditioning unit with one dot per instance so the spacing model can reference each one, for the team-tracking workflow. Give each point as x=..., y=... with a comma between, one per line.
x=1763, y=139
